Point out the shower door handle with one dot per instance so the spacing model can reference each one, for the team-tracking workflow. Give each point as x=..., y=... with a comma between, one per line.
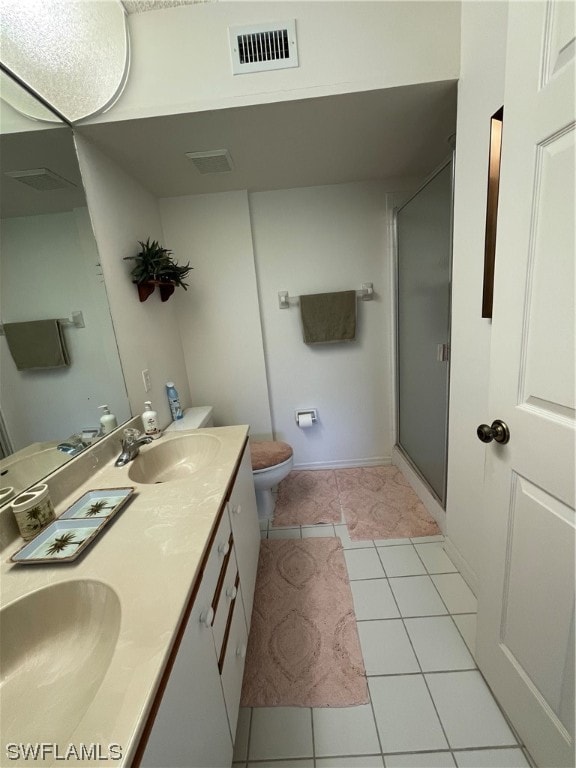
x=442, y=353
x=498, y=431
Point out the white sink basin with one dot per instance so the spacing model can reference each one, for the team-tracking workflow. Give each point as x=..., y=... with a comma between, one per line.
x=57, y=644
x=175, y=459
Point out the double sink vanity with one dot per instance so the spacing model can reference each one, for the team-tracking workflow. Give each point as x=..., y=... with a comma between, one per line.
x=133, y=655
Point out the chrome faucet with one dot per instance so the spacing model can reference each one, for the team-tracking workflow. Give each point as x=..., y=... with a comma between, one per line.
x=71, y=448
x=131, y=446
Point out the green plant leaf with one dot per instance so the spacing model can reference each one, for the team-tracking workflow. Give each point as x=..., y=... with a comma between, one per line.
x=156, y=263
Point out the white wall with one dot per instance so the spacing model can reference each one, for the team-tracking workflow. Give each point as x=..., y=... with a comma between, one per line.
x=218, y=315
x=41, y=256
x=147, y=333
x=317, y=240
x=245, y=356
x=480, y=94
x=180, y=58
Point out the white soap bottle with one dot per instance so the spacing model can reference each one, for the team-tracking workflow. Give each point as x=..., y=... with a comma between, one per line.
x=108, y=421
x=150, y=421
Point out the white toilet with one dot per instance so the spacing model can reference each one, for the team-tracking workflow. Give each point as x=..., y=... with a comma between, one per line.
x=272, y=460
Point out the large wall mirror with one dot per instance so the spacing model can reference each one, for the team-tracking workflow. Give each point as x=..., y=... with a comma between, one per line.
x=49, y=270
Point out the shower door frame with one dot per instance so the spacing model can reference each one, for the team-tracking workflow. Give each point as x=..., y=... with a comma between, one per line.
x=395, y=282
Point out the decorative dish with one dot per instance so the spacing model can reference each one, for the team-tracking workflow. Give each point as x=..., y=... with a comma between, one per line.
x=103, y=502
x=59, y=542
x=69, y=535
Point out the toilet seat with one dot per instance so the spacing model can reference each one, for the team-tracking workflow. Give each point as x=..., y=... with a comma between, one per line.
x=269, y=453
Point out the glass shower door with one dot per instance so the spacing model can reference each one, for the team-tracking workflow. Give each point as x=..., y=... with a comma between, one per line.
x=424, y=251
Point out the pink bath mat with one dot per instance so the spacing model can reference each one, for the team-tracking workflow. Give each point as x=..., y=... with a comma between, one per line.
x=378, y=503
x=307, y=497
x=303, y=649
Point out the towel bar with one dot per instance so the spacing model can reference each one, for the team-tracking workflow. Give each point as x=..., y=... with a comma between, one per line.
x=366, y=293
x=76, y=320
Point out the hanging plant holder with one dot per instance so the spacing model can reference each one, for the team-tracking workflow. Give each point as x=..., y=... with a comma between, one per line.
x=147, y=289
x=155, y=267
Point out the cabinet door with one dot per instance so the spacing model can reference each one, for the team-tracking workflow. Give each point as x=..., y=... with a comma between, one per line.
x=191, y=727
x=233, y=667
x=244, y=521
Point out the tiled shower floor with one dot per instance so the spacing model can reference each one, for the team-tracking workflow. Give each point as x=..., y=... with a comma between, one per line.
x=429, y=708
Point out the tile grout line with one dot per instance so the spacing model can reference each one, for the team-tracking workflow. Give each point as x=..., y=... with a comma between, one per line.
x=462, y=636
x=508, y=723
x=249, y=735
x=449, y=612
x=513, y=731
x=497, y=748
x=425, y=616
x=413, y=674
x=420, y=665
x=313, y=739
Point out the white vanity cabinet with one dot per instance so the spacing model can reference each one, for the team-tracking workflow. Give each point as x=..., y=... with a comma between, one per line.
x=190, y=729
x=195, y=722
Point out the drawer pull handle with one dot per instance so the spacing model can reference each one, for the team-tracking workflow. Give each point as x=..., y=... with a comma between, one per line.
x=224, y=548
x=207, y=617
x=237, y=509
x=241, y=651
x=231, y=592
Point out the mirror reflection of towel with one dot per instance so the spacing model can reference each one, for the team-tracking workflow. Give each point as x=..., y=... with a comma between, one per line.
x=328, y=317
x=37, y=344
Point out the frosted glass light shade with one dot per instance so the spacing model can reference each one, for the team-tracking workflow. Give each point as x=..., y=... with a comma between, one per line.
x=73, y=54
x=26, y=107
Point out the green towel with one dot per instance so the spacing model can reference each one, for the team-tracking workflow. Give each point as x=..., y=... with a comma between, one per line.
x=328, y=317
x=37, y=344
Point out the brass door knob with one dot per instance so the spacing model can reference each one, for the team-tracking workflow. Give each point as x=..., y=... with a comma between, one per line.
x=498, y=431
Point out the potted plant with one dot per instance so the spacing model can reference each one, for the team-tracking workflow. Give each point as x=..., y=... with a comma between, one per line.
x=155, y=266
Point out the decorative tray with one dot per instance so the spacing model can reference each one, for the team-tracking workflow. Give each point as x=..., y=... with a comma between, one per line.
x=76, y=528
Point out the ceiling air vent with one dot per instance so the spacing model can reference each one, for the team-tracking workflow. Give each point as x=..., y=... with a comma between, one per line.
x=260, y=47
x=42, y=179
x=213, y=161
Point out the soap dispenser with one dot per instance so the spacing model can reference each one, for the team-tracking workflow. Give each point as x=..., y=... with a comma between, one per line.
x=150, y=421
x=108, y=421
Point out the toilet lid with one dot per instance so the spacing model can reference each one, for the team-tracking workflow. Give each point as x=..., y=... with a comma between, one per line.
x=268, y=453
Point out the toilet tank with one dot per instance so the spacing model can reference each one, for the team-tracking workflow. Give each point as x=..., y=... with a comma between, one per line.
x=194, y=418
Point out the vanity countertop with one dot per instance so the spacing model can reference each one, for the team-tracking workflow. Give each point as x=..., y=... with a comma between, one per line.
x=150, y=555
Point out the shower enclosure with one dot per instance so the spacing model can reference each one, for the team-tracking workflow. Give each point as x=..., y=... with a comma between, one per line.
x=424, y=256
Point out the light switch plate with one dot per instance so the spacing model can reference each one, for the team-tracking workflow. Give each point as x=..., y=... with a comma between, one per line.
x=146, y=380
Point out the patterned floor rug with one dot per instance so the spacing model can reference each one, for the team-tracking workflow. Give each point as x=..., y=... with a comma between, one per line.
x=378, y=503
x=375, y=502
x=310, y=496
x=303, y=649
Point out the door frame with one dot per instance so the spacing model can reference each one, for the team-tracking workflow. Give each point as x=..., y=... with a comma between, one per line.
x=451, y=158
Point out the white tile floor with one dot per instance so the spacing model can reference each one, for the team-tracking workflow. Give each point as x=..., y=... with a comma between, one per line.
x=429, y=705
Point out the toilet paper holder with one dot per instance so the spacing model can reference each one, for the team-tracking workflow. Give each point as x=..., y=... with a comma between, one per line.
x=312, y=412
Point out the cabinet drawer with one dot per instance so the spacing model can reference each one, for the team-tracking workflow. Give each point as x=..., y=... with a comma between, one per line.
x=246, y=531
x=233, y=662
x=227, y=597
x=217, y=556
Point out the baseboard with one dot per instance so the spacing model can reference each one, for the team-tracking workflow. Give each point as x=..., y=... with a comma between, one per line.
x=377, y=461
x=418, y=486
x=467, y=573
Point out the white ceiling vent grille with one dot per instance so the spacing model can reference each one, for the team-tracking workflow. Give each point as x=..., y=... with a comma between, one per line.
x=260, y=47
x=213, y=161
x=42, y=179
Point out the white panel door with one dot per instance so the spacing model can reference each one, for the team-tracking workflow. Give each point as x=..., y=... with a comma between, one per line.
x=526, y=601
